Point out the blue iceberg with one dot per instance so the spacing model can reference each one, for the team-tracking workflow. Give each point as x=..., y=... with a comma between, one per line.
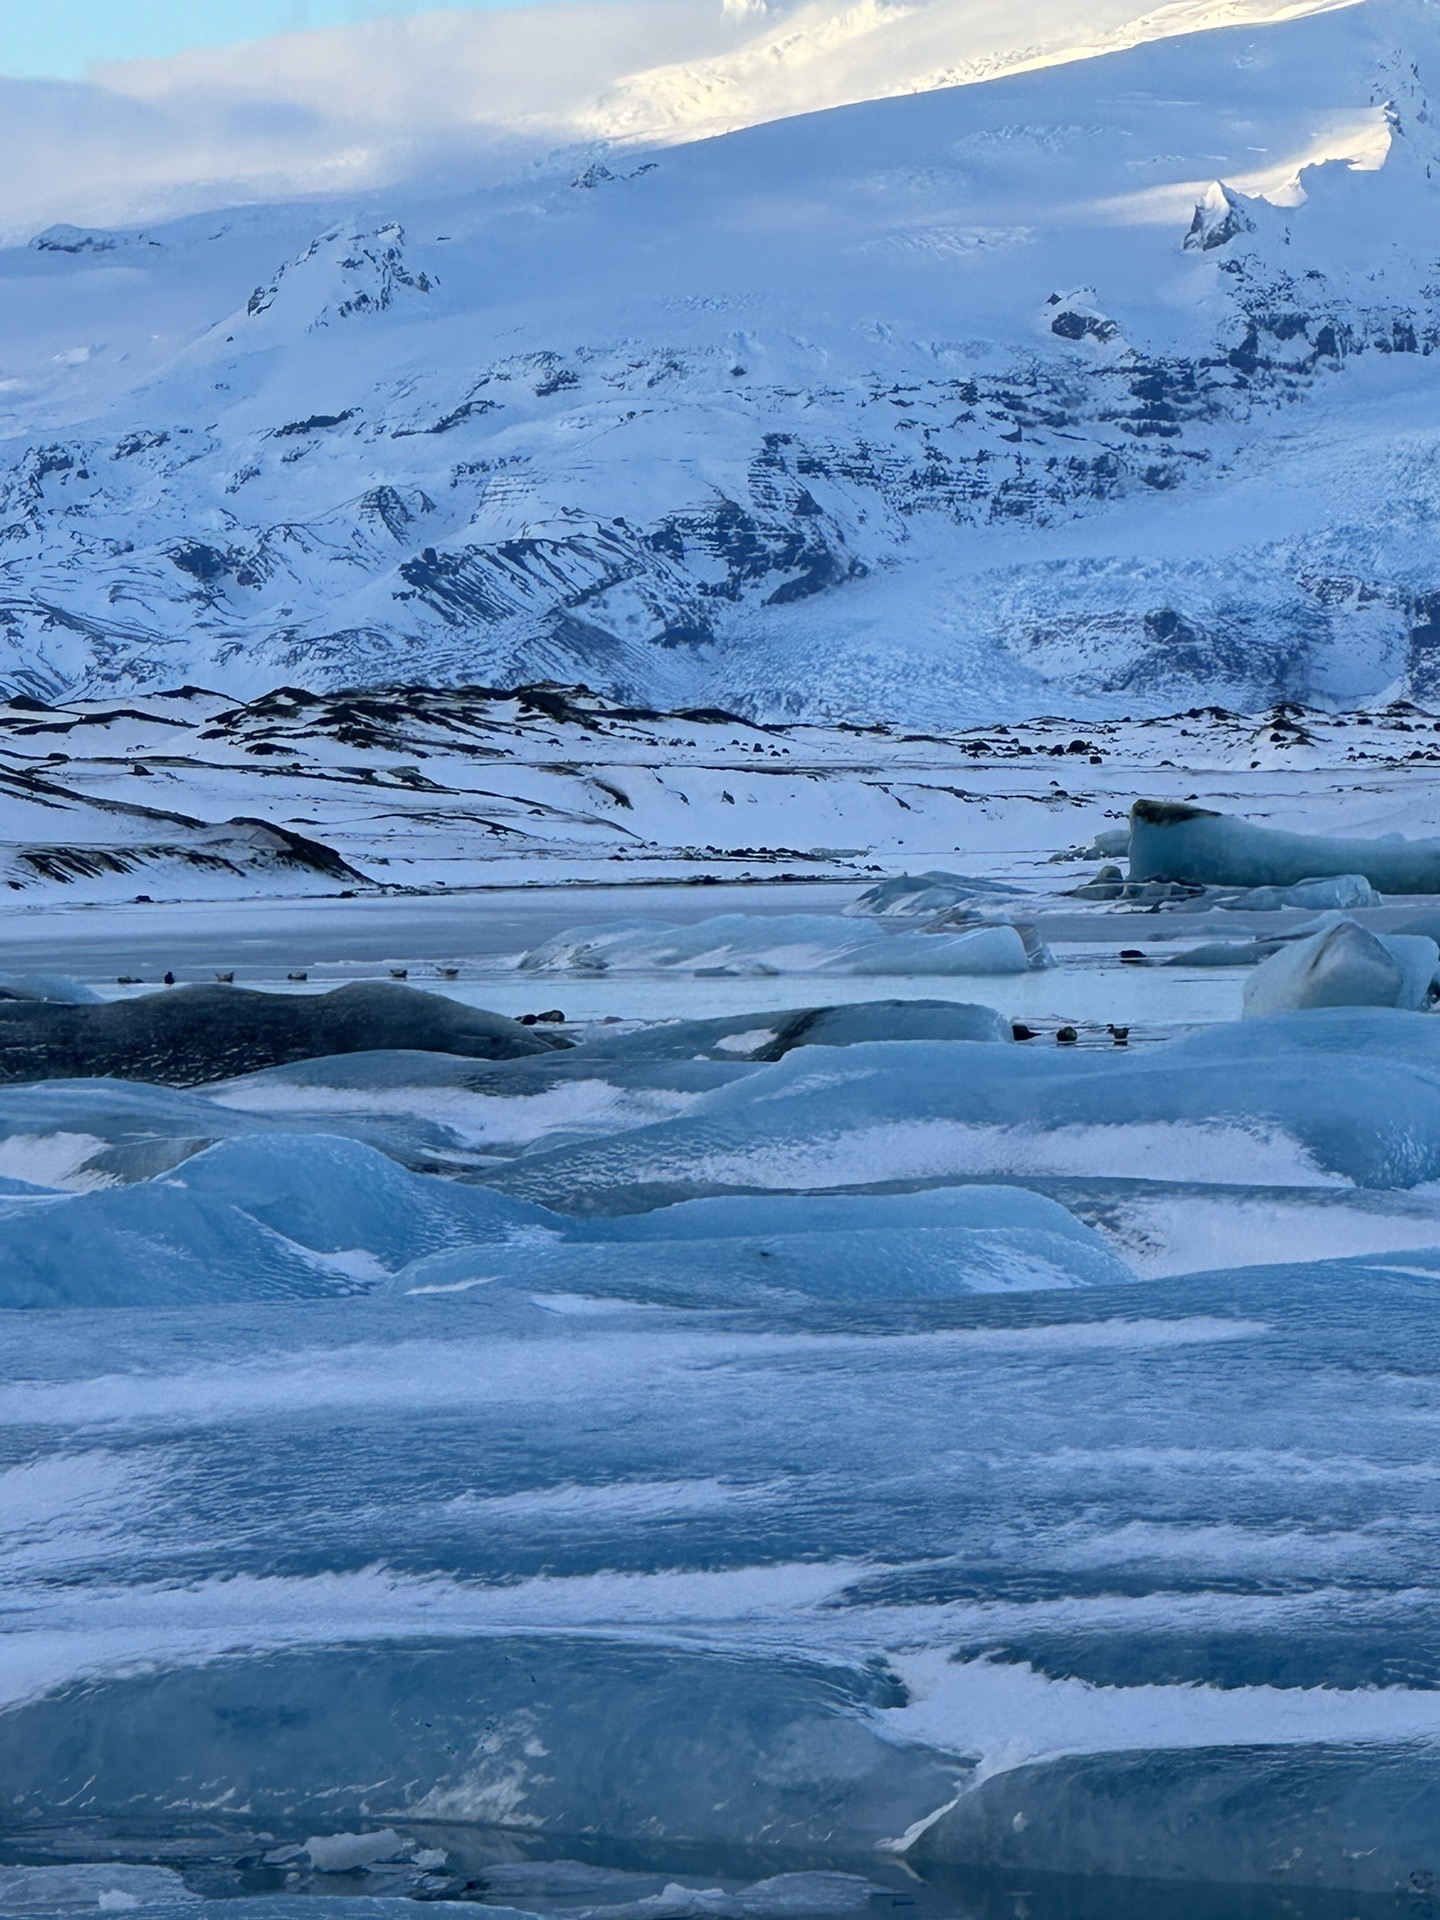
x=1171, y=841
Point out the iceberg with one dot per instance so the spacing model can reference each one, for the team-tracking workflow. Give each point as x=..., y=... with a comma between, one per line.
x=869, y=1020
x=1384, y=1036
x=116, y=1887
x=1297, y=1818
x=739, y=944
x=189, y=1035
x=1344, y=966
x=1175, y=842
x=1220, y=953
x=936, y=1245
x=730, y=1039
x=922, y=1111
x=646, y=1742
x=84, y=1134
x=1344, y=893
x=271, y=1217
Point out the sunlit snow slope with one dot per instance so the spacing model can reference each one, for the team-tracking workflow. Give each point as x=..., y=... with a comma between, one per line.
x=1102, y=387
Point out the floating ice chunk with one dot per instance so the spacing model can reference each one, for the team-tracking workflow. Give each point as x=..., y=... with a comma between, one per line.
x=769, y=1036
x=821, y=1895
x=965, y=1208
x=922, y=895
x=1384, y=1036
x=344, y=1852
x=1109, y=844
x=267, y=1217
x=1268, y=1813
x=101, y=1887
x=1223, y=953
x=1344, y=966
x=1343, y=893
x=869, y=1020
x=740, y=943
x=92, y=1133
x=1169, y=841
x=1427, y=924
x=909, y=1110
x=495, y=1106
x=985, y=950
x=517, y=1730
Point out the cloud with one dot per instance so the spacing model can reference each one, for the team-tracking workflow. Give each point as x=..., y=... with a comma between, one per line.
x=328, y=112
x=347, y=109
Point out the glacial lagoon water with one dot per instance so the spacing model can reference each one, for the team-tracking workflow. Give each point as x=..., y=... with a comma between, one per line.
x=737, y=1466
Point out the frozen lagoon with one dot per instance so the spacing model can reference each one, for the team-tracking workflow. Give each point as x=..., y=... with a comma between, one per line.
x=581, y=1550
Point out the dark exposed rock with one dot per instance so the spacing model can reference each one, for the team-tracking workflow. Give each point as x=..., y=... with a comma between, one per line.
x=1168, y=813
x=1219, y=218
x=311, y=425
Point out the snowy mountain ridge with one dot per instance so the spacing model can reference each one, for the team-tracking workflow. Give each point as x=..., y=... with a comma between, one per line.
x=1100, y=388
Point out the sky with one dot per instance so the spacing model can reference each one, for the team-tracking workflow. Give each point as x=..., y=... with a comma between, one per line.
x=127, y=112
x=60, y=39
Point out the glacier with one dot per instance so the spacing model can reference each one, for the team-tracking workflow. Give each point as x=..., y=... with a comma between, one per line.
x=1001, y=404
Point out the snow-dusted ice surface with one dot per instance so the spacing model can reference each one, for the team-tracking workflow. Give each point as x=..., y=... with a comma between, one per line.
x=733, y=1467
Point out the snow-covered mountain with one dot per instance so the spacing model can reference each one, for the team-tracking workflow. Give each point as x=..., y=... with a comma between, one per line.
x=1101, y=387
